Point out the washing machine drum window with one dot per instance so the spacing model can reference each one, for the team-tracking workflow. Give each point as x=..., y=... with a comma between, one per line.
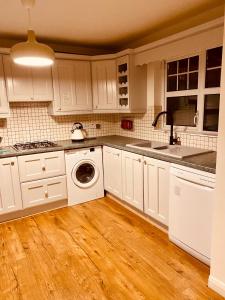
x=85, y=174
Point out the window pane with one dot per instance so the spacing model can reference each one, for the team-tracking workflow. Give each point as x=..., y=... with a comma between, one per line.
x=211, y=112
x=183, y=65
x=183, y=110
x=172, y=68
x=193, y=63
x=193, y=80
x=212, y=78
x=214, y=57
x=182, y=82
x=171, y=83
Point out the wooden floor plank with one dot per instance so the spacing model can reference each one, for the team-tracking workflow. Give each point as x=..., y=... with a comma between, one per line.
x=97, y=250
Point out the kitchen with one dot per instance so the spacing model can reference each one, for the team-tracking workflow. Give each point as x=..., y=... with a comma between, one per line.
x=112, y=137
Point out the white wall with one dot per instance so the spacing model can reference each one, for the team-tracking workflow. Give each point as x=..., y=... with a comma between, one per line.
x=217, y=274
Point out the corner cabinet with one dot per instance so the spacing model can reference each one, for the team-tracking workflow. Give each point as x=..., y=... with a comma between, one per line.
x=132, y=174
x=104, y=85
x=4, y=105
x=27, y=84
x=10, y=193
x=72, y=87
x=156, y=189
x=112, y=162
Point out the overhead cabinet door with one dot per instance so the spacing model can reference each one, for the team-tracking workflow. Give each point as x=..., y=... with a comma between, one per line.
x=72, y=86
x=27, y=84
x=104, y=85
x=4, y=105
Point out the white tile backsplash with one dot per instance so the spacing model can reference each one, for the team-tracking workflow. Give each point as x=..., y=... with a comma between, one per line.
x=31, y=121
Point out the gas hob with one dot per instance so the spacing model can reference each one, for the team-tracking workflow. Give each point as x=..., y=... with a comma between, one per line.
x=34, y=145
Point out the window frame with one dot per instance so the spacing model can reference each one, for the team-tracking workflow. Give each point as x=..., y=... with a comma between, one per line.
x=200, y=92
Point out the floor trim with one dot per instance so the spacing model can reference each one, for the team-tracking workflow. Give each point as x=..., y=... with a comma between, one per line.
x=216, y=285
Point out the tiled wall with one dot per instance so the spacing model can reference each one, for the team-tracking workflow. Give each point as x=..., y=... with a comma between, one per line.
x=31, y=121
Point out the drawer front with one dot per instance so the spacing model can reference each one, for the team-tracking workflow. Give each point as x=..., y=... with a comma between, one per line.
x=42, y=165
x=43, y=191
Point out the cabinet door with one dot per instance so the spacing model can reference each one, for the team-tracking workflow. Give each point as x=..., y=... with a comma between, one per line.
x=132, y=173
x=10, y=193
x=4, y=105
x=43, y=165
x=44, y=191
x=18, y=81
x=112, y=160
x=82, y=81
x=156, y=189
x=104, y=84
x=63, y=73
x=42, y=84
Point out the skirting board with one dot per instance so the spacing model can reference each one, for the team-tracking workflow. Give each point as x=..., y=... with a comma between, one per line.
x=217, y=285
x=138, y=212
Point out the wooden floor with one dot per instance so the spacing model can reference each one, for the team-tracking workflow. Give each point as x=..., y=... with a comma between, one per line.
x=97, y=250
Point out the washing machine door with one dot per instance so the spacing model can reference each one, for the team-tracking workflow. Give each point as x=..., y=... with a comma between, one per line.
x=85, y=174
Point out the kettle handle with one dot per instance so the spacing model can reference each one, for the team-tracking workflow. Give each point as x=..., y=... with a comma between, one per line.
x=74, y=126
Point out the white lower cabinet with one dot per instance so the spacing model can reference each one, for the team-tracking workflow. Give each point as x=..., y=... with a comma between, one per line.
x=132, y=173
x=41, y=165
x=156, y=189
x=112, y=161
x=44, y=191
x=10, y=193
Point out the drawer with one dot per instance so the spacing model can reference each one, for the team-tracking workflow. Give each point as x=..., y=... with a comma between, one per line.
x=41, y=165
x=43, y=191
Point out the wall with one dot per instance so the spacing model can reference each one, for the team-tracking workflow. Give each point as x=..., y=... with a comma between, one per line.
x=217, y=273
x=31, y=121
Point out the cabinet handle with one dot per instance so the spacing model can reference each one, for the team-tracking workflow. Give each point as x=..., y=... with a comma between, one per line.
x=145, y=162
x=12, y=163
x=46, y=194
x=118, y=154
x=139, y=160
x=31, y=98
x=59, y=108
x=43, y=168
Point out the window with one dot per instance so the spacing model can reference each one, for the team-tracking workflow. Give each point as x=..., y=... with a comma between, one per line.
x=193, y=90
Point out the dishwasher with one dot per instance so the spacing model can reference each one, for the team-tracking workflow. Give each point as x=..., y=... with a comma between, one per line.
x=191, y=210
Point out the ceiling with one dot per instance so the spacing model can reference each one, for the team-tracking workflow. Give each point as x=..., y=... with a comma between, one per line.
x=101, y=23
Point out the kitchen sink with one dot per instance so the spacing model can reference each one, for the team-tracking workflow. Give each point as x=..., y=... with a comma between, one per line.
x=176, y=151
x=6, y=150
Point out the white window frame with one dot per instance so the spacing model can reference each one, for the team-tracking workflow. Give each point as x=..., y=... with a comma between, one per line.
x=200, y=93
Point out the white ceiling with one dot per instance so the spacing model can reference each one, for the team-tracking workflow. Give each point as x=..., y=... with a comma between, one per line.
x=96, y=22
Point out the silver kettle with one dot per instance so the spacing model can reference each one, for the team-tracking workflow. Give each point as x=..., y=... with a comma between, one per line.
x=77, y=132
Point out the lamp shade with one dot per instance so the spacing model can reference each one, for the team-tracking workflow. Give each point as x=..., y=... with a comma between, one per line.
x=32, y=53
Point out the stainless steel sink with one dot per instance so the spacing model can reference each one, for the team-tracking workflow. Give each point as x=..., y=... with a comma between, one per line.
x=6, y=150
x=175, y=151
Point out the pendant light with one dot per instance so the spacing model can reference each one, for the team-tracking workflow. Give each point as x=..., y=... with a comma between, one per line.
x=32, y=53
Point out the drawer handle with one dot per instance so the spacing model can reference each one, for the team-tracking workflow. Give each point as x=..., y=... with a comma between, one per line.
x=145, y=162
x=139, y=160
x=46, y=194
x=12, y=163
x=43, y=168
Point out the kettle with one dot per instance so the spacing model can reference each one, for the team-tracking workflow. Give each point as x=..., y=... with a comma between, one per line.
x=77, y=132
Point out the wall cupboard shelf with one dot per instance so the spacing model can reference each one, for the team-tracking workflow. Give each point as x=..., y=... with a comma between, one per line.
x=72, y=87
x=27, y=84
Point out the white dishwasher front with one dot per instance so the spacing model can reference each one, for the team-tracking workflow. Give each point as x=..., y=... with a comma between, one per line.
x=191, y=210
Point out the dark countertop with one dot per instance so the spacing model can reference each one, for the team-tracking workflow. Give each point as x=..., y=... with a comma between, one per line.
x=205, y=162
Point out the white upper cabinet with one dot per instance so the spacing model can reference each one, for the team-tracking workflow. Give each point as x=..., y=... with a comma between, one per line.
x=72, y=87
x=10, y=193
x=27, y=84
x=156, y=189
x=104, y=85
x=4, y=105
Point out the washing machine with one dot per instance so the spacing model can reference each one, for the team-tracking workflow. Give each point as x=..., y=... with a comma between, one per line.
x=84, y=175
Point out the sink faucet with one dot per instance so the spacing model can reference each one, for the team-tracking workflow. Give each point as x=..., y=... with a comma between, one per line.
x=172, y=140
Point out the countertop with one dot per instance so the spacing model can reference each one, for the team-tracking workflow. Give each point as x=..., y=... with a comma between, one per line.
x=205, y=162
